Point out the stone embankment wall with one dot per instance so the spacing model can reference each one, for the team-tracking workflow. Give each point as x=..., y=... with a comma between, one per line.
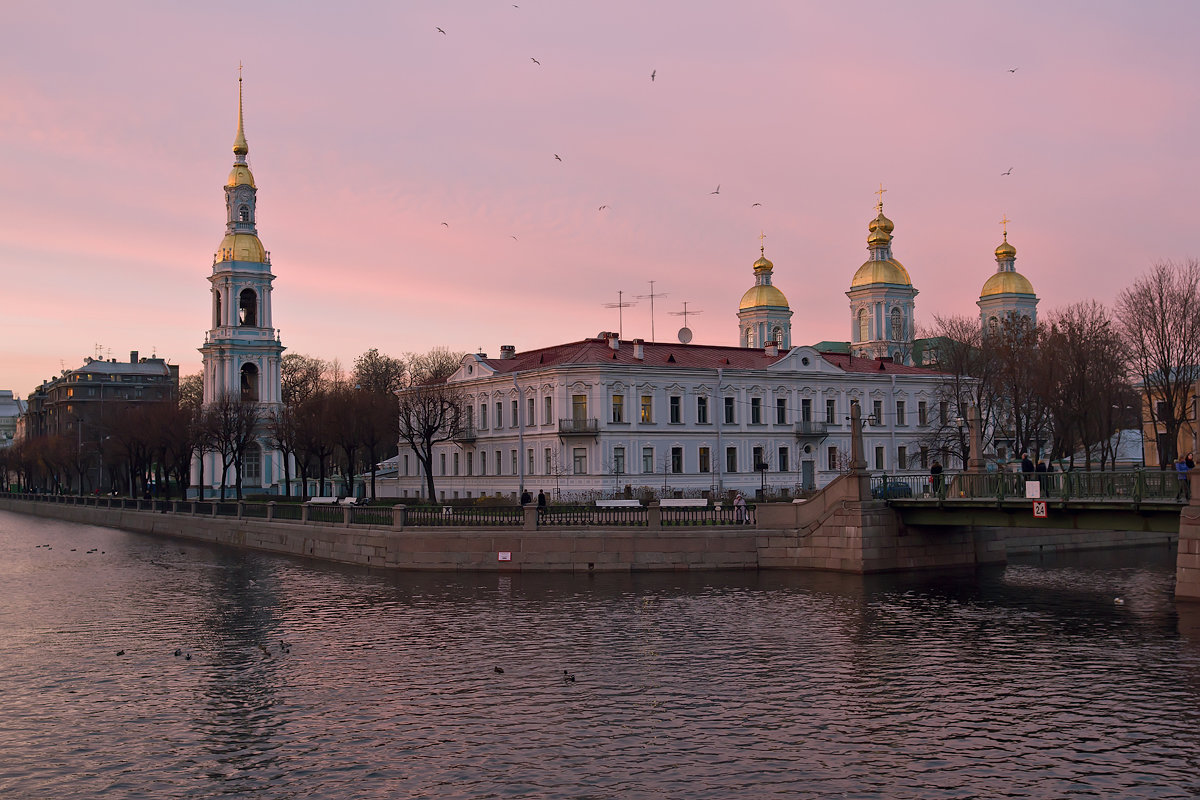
x=1187, y=563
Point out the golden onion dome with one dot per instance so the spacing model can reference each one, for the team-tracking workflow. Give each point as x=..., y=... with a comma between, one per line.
x=1006, y=283
x=241, y=247
x=240, y=175
x=889, y=271
x=763, y=265
x=878, y=237
x=763, y=295
x=1006, y=250
x=881, y=223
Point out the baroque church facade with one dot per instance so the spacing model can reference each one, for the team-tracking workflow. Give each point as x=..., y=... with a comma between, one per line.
x=242, y=349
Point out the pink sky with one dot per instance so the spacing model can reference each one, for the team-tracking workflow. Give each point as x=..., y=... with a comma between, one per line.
x=368, y=129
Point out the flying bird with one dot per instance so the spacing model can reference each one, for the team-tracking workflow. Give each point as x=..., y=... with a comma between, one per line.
x=534, y=60
x=601, y=208
x=447, y=224
x=717, y=190
x=1010, y=169
x=557, y=157
x=442, y=32
x=653, y=72
x=515, y=239
x=1014, y=69
x=752, y=205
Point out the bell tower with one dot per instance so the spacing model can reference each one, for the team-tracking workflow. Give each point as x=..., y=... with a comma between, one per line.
x=242, y=351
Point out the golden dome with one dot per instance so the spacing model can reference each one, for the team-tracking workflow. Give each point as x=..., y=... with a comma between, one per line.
x=878, y=237
x=890, y=271
x=763, y=265
x=1006, y=283
x=240, y=175
x=762, y=295
x=1006, y=250
x=881, y=222
x=241, y=247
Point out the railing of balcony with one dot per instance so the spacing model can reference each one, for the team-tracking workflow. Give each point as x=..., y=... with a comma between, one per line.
x=465, y=434
x=812, y=428
x=579, y=427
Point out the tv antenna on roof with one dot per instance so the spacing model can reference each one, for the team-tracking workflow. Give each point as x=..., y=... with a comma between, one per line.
x=619, y=305
x=685, y=333
x=651, y=297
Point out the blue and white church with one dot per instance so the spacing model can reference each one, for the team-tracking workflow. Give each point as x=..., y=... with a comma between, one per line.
x=242, y=350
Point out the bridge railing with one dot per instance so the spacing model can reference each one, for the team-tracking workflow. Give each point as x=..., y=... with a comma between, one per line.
x=1132, y=485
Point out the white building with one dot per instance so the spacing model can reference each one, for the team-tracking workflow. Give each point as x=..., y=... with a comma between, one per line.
x=11, y=409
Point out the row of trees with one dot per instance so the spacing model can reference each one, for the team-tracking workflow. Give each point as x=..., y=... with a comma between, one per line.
x=1066, y=385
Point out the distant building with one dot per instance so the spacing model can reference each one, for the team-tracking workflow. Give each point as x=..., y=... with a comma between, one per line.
x=11, y=409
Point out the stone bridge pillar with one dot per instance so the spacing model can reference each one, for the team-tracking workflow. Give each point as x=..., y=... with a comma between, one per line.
x=1187, y=560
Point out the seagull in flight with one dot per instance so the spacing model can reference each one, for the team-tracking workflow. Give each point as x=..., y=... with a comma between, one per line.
x=1014, y=69
x=515, y=239
x=752, y=205
x=601, y=208
x=447, y=224
x=653, y=72
x=1010, y=169
x=534, y=60
x=557, y=157
x=442, y=32
x=717, y=191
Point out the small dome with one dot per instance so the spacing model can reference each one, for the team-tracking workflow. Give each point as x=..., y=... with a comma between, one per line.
x=763, y=295
x=240, y=176
x=241, y=247
x=1006, y=250
x=878, y=237
x=889, y=271
x=763, y=265
x=881, y=223
x=1006, y=283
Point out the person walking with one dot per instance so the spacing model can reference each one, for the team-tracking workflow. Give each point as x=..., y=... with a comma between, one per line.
x=1026, y=464
x=541, y=501
x=1191, y=463
x=935, y=477
x=526, y=498
x=739, y=508
x=1184, y=492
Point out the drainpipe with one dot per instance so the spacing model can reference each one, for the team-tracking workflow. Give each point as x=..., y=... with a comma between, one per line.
x=895, y=421
x=718, y=413
x=520, y=436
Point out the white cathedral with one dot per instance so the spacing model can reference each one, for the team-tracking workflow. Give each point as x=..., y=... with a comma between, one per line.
x=242, y=350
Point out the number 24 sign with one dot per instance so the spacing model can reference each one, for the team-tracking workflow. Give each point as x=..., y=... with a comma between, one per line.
x=1039, y=509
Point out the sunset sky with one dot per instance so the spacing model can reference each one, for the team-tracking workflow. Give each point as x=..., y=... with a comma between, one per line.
x=368, y=129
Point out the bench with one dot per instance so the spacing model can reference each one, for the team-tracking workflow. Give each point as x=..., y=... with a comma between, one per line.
x=618, y=504
x=318, y=501
x=348, y=501
x=683, y=502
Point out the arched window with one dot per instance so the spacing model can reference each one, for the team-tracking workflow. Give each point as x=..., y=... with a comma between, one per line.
x=248, y=308
x=897, y=325
x=993, y=326
x=777, y=335
x=863, y=329
x=249, y=383
x=252, y=465
x=217, y=308
x=244, y=213
x=750, y=336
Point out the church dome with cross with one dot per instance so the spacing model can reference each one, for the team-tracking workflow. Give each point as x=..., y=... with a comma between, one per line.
x=1006, y=293
x=882, y=297
x=763, y=314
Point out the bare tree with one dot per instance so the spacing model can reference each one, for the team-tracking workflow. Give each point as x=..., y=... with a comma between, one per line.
x=1160, y=319
x=231, y=429
x=301, y=377
x=281, y=436
x=378, y=373
x=438, y=364
x=429, y=414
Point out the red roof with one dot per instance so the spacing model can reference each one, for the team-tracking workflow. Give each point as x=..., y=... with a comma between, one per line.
x=696, y=356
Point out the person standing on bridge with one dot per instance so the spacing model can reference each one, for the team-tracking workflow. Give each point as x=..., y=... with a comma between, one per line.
x=1185, y=486
x=935, y=477
x=1026, y=464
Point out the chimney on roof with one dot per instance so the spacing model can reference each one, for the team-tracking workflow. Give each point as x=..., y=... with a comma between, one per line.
x=133, y=354
x=772, y=349
x=614, y=340
x=639, y=349
x=508, y=351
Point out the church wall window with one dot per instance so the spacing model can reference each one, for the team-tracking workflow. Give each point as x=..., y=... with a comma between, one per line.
x=249, y=383
x=252, y=464
x=863, y=326
x=244, y=213
x=897, y=325
x=216, y=308
x=248, y=308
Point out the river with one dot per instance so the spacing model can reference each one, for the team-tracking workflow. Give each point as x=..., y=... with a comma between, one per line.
x=296, y=679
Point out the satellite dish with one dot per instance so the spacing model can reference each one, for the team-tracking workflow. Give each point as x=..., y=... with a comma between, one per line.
x=685, y=335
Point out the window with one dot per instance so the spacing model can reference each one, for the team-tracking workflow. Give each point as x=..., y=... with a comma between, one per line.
x=676, y=409
x=249, y=383
x=901, y=457
x=647, y=460
x=530, y=419
x=897, y=325
x=406, y=464
x=482, y=463
x=499, y=464
x=529, y=461
x=944, y=412
x=705, y=460
x=618, y=460
x=729, y=411
x=515, y=421
x=676, y=460
x=513, y=454
x=483, y=416
x=922, y=413
x=901, y=413
x=547, y=410
x=70, y=392
x=248, y=308
x=578, y=407
x=499, y=421
x=863, y=328
x=549, y=462
x=442, y=460
x=470, y=463
x=702, y=410
x=760, y=463
x=879, y=457
x=924, y=458
x=782, y=461
x=877, y=412
x=618, y=408
x=780, y=411
x=731, y=459
x=833, y=458
x=579, y=459
x=455, y=463
x=806, y=410
x=244, y=213
x=756, y=411
x=647, y=408
x=830, y=412
x=252, y=464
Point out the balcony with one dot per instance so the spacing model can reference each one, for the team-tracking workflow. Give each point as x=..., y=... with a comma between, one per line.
x=810, y=429
x=579, y=427
x=465, y=434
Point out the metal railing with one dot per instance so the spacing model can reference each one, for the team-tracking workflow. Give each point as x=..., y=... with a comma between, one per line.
x=592, y=516
x=1132, y=486
x=712, y=515
x=578, y=427
x=811, y=428
x=464, y=516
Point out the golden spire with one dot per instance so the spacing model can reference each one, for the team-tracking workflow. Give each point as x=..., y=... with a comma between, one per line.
x=879, y=205
x=762, y=250
x=1005, y=222
x=240, y=148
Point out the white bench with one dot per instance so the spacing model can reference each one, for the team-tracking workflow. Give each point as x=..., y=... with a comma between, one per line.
x=348, y=501
x=322, y=500
x=618, y=504
x=683, y=502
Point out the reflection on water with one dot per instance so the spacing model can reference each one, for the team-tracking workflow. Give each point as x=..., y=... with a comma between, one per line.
x=1025, y=681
